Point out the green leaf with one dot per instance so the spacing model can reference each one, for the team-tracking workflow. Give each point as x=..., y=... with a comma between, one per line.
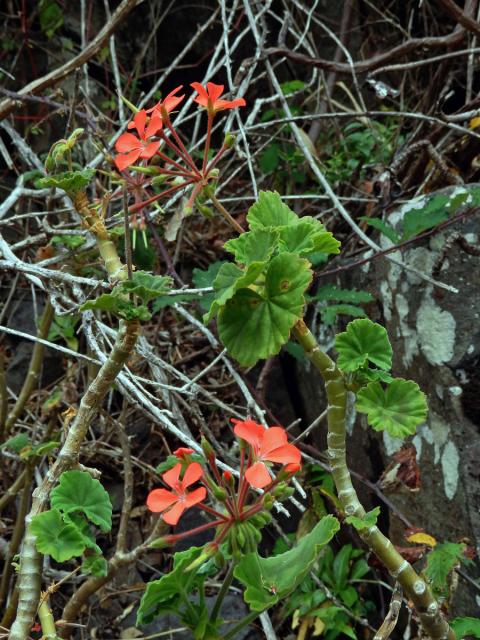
x=70, y=242
x=253, y=246
x=50, y=17
x=268, y=580
x=341, y=566
x=255, y=324
x=70, y=181
x=417, y=220
x=441, y=561
x=365, y=375
x=308, y=236
x=270, y=211
x=77, y=491
x=363, y=340
x=466, y=627
x=145, y=285
x=383, y=227
x=398, y=409
x=56, y=538
x=44, y=448
x=230, y=279
x=172, y=590
x=84, y=529
x=205, y=278
x=368, y=521
x=95, y=565
x=117, y=305
x=330, y=313
x=332, y=292
x=270, y=158
x=16, y=443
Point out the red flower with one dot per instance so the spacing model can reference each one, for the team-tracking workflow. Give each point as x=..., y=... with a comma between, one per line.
x=182, y=452
x=168, y=104
x=268, y=445
x=134, y=148
x=209, y=98
x=177, y=500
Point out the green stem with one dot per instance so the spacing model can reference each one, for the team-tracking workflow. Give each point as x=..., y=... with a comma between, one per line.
x=431, y=618
x=3, y=395
x=30, y=559
x=221, y=209
x=33, y=374
x=244, y=622
x=222, y=593
x=47, y=621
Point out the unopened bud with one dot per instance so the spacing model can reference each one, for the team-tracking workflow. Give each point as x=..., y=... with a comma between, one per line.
x=209, y=551
x=219, y=493
x=228, y=479
x=205, y=210
x=229, y=140
x=207, y=448
x=268, y=501
x=159, y=543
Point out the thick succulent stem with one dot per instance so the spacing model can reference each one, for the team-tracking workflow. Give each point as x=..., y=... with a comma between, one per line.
x=30, y=560
x=431, y=618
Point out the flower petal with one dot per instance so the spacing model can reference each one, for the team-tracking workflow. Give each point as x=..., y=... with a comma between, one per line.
x=202, y=98
x=214, y=91
x=172, y=476
x=193, y=473
x=172, y=516
x=160, y=499
x=139, y=120
x=150, y=149
x=183, y=451
x=257, y=475
x=125, y=160
x=250, y=431
x=171, y=101
x=154, y=125
x=196, y=496
x=293, y=468
x=127, y=142
x=220, y=105
x=286, y=454
x=272, y=439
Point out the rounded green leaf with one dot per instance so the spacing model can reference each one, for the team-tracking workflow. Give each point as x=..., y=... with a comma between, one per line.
x=70, y=181
x=363, y=341
x=270, y=211
x=255, y=324
x=398, y=409
x=95, y=565
x=77, y=491
x=253, y=246
x=145, y=285
x=308, y=236
x=56, y=538
x=267, y=580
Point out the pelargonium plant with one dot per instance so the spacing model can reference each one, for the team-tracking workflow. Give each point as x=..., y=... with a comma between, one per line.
x=259, y=305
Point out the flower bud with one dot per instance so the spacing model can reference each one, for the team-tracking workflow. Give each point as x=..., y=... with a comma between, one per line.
x=159, y=543
x=205, y=210
x=268, y=501
x=219, y=493
x=229, y=140
x=207, y=448
x=210, y=550
x=228, y=479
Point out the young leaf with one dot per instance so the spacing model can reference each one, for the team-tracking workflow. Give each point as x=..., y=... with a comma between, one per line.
x=270, y=211
x=16, y=443
x=434, y=212
x=253, y=246
x=441, y=561
x=330, y=313
x=363, y=341
x=95, y=565
x=56, y=538
x=367, y=522
x=84, y=529
x=70, y=181
x=383, y=227
x=172, y=590
x=77, y=491
x=117, y=305
x=308, y=236
x=146, y=285
x=398, y=409
x=267, y=580
x=466, y=627
x=255, y=325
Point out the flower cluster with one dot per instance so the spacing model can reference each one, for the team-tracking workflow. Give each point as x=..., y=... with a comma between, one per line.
x=153, y=152
x=260, y=449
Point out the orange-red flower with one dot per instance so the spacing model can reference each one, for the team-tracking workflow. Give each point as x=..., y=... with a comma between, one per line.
x=210, y=98
x=173, y=503
x=133, y=148
x=168, y=104
x=268, y=445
